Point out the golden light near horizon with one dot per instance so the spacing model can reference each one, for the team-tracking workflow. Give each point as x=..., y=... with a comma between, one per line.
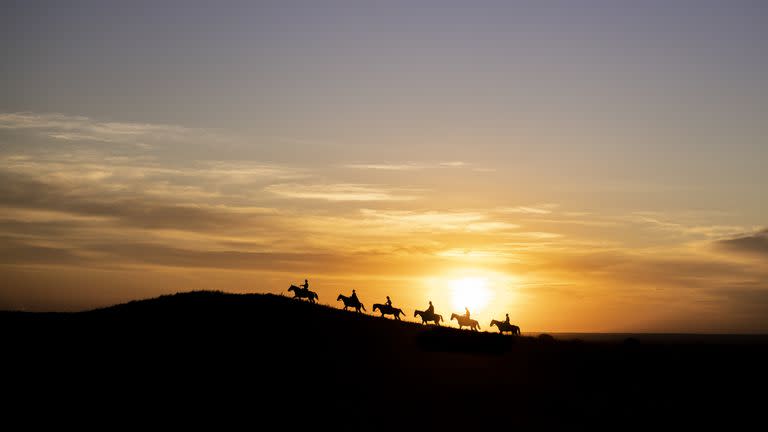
x=470, y=292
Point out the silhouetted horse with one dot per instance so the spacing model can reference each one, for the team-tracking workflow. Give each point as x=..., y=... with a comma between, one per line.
x=350, y=302
x=425, y=317
x=299, y=292
x=388, y=310
x=504, y=326
x=466, y=322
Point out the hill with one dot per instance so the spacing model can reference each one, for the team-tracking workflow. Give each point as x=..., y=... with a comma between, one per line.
x=215, y=357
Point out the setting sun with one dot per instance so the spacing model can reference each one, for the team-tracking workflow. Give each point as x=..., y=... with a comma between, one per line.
x=470, y=292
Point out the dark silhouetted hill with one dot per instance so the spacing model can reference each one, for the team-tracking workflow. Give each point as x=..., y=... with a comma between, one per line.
x=209, y=358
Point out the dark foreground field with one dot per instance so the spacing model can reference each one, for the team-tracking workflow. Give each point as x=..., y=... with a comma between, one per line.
x=265, y=362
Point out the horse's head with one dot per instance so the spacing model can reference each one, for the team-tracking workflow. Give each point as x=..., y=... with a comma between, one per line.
x=453, y=316
x=493, y=323
x=292, y=288
x=415, y=313
x=340, y=297
x=376, y=306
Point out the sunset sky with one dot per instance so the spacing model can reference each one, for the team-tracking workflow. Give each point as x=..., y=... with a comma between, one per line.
x=594, y=166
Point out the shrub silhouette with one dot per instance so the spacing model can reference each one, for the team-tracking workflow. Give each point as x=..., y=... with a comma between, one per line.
x=544, y=337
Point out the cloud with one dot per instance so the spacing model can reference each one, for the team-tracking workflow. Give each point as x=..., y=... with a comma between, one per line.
x=712, y=231
x=339, y=192
x=535, y=209
x=752, y=244
x=644, y=272
x=138, y=209
x=538, y=235
x=431, y=221
x=425, y=220
x=74, y=124
x=18, y=252
x=387, y=167
x=80, y=128
x=406, y=166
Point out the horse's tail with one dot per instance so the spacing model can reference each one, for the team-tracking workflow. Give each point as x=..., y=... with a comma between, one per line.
x=363, y=306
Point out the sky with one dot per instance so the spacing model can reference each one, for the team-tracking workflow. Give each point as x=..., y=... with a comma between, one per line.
x=585, y=166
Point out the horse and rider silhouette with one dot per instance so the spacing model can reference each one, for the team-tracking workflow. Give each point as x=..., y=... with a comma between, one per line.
x=388, y=309
x=465, y=320
x=302, y=291
x=428, y=315
x=506, y=326
x=351, y=301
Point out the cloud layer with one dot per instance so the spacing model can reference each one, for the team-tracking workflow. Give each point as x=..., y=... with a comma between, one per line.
x=104, y=197
x=752, y=244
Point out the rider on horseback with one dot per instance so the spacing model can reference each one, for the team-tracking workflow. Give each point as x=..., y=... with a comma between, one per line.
x=506, y=321
x=466, y=313
x=305, y=285
x=430, y=310
x=389, y=302
x=354, y=297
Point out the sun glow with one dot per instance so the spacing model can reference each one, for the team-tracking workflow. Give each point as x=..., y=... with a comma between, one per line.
x=470, y=292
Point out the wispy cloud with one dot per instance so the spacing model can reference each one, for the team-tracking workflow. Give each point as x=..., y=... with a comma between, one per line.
x=79, y=128
x=427, y=219
x=340, y=192
x=533, y=209
x=387, y=167
x=752, y=244
x=712, y=231
x=459, y=221
x=453, y=164
x=539, y=235
x=406, y=166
